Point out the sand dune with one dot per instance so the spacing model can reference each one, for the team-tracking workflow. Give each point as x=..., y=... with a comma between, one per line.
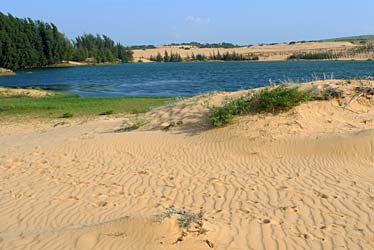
x=266, y=52
x=297, y=180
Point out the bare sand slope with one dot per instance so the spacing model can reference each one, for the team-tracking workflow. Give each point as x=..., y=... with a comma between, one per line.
x=298, y=180
x=266, y=52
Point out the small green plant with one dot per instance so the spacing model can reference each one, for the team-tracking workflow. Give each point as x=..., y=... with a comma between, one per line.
x=108, y=112
x=185, y=218
x=221, y=115
x=66, y=115
x=326, y=94
x=134, y=124
x=271, y=100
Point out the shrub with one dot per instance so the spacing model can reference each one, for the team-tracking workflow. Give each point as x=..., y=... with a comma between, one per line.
x=278, y=99
x=221, y=115
x=325, y=94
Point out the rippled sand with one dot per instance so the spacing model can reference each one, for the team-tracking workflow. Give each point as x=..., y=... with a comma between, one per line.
x=298, y=180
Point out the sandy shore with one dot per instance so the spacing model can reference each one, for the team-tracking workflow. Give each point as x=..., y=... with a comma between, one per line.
x=6, y=72
x=297, y=180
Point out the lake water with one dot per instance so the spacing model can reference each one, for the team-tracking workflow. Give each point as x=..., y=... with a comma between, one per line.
x=181, y=79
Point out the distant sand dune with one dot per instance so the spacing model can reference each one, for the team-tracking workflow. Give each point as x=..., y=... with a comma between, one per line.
x=266, y=52
x=297, y=180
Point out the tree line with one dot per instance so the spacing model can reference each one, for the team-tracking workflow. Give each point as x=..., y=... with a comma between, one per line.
x=208, y=45
x=228, y=56
x=25, y=43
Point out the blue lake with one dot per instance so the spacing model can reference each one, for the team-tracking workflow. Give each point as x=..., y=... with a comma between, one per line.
x=181, y=79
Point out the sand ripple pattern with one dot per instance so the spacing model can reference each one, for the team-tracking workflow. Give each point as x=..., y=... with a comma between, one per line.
x=62, y=189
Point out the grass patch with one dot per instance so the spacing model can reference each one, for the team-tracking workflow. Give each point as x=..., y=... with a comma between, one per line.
x=56, y=105
x=268, y=100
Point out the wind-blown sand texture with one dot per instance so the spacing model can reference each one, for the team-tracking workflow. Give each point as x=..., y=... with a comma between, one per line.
x=303, y=179
x=266, y=52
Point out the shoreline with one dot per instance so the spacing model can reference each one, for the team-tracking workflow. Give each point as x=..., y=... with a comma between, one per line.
x=6, y=72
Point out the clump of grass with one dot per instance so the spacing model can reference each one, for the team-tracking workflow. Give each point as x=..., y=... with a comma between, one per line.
x=66, y=115
x=278, y=99
x=326, y=94
x=185, y=218
x=221, y=115
x=134, y=124
x=189, y=222
x=269, y=100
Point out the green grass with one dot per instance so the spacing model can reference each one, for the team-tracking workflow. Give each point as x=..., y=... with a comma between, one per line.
x=67, y=105
x=268, y=100
x=353, y=39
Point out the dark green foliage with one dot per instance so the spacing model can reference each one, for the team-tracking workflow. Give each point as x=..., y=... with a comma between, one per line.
x=142, y=47
x=25, y=43
x=208, y=45
x=221, y=115
x=233, y=56
x=100, y=49
x=314, y=56
x=273, y=100
x=278, y=99
x=66, y=115
x=201, y=57
x=173, y=57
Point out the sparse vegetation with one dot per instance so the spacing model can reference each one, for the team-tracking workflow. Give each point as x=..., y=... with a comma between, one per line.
x=270, y=100
x=208, y=45
x=326, y=94
x=185, y=218
x=131, y=125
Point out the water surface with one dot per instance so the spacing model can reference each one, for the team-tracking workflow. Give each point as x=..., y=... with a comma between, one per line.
x=180, y=79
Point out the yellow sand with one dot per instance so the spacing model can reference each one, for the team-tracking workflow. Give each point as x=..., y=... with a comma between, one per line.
x=276, y=52
x=12, y=92
x=297, y=180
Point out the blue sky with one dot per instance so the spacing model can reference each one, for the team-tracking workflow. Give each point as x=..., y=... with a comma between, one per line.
x=166, y=21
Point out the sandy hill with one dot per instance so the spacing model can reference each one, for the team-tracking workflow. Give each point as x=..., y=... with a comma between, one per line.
x=265, y=52
x=297, y=180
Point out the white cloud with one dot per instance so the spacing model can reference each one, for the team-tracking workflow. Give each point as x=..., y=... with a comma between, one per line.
x=197, y=20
